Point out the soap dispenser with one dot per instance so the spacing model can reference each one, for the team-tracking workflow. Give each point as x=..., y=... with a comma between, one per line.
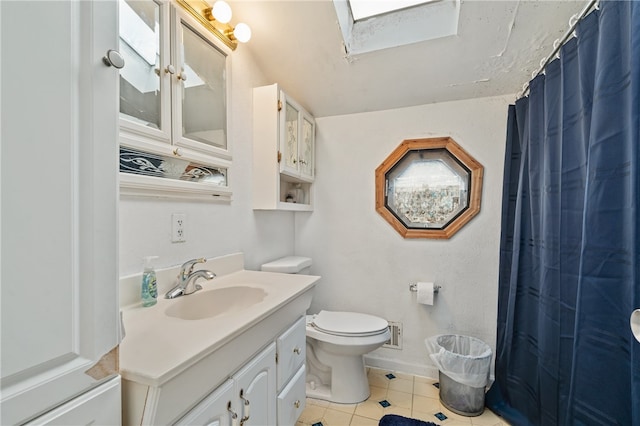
x=149, y=282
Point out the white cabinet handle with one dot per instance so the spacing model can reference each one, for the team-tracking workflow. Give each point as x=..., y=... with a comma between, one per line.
x=170, y=69
x=182, y=76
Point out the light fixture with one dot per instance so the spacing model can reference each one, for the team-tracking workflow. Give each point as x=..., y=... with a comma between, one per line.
x=241, y=32
x=216, y=17
x=221, y=12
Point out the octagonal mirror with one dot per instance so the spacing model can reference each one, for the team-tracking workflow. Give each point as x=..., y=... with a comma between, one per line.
x=428, y=188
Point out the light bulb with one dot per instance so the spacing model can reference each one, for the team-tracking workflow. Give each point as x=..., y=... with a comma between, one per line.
x=242, y=32
x=221, y=11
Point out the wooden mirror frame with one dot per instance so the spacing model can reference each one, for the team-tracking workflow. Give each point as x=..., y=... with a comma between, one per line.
x=475, y=191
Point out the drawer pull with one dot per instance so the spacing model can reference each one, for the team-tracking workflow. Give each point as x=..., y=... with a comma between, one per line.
x=234, y=415
x=297, y=403
x=296, y=351
x=245, y=409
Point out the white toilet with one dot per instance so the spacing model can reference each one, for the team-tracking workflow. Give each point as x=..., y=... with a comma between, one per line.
x=336, y=343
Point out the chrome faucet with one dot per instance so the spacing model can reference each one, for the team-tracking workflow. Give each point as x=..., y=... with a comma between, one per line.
x=186, y=280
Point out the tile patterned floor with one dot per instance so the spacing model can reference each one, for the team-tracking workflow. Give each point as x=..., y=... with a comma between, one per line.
x=406, y=395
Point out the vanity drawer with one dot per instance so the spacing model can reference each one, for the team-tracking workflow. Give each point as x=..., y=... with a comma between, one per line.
x=291, y=347
x=291, y=401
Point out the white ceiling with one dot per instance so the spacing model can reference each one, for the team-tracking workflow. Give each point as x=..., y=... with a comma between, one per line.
x=298, y=44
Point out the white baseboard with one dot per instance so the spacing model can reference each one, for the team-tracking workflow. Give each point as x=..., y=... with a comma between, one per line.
x=428, y=371
x=416, y=369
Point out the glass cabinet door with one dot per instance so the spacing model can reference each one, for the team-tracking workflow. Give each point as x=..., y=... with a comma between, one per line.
x=306, y=147
x=289, y=136
x=201, y=91
x=141, y=84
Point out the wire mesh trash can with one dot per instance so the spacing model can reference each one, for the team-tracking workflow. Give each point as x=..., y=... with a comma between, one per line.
x=463, y=363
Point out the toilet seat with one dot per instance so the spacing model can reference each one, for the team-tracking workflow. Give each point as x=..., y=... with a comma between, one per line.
x=348, y=324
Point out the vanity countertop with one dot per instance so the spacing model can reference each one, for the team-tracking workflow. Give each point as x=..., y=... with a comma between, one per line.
x=157, y=347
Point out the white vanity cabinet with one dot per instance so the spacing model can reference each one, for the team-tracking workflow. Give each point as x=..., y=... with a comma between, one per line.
x=283, y=152
x=215, y=409
x=248, y=361
x=174, y=94
x=255, y=389
x=291, y=373
x=291, y=400
x=250, y=395
x=247, y=398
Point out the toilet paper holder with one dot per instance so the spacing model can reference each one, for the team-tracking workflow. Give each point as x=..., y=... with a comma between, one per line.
x=414, y=287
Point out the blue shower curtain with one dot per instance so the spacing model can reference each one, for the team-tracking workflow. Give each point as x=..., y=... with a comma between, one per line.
x=570, y=242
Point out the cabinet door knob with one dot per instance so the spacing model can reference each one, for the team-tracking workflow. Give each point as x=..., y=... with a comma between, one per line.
x=297, y=403
x=170, y=69
x=296, y=351
x=182, y=76
x=113, y=58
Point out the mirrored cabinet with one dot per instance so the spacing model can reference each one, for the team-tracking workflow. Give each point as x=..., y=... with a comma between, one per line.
x=173, y=100
x=283, y=152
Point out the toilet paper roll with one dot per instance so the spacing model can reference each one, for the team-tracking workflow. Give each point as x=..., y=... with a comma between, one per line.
x=425, y=293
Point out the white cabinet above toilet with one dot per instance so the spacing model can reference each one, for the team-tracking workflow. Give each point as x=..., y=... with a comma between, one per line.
x=283, y=152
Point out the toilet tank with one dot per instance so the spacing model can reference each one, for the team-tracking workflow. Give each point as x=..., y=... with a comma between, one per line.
x=288, y=265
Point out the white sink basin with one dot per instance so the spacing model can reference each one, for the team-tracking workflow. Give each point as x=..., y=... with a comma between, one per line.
x=212, y=303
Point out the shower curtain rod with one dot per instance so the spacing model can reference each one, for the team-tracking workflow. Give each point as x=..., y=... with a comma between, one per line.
x=560, y=42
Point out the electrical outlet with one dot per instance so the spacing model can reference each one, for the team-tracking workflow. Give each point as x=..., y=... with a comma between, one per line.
x=178, y=227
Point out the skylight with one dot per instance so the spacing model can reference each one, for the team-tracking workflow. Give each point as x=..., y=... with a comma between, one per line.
x=370, y=25
x=362, y=9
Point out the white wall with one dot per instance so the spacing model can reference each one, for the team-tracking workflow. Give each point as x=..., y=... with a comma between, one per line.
x=212, y=229
x=367, y=266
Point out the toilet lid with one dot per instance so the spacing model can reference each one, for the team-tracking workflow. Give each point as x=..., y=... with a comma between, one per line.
x=349, y=323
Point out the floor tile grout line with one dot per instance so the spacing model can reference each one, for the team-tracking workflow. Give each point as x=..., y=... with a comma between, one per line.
x=492, y=419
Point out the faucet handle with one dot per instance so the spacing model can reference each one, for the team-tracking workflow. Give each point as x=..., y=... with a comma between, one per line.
x=187, y=267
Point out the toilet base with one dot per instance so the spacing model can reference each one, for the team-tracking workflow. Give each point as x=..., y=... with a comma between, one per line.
x=323, y=392
x=349, y=383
